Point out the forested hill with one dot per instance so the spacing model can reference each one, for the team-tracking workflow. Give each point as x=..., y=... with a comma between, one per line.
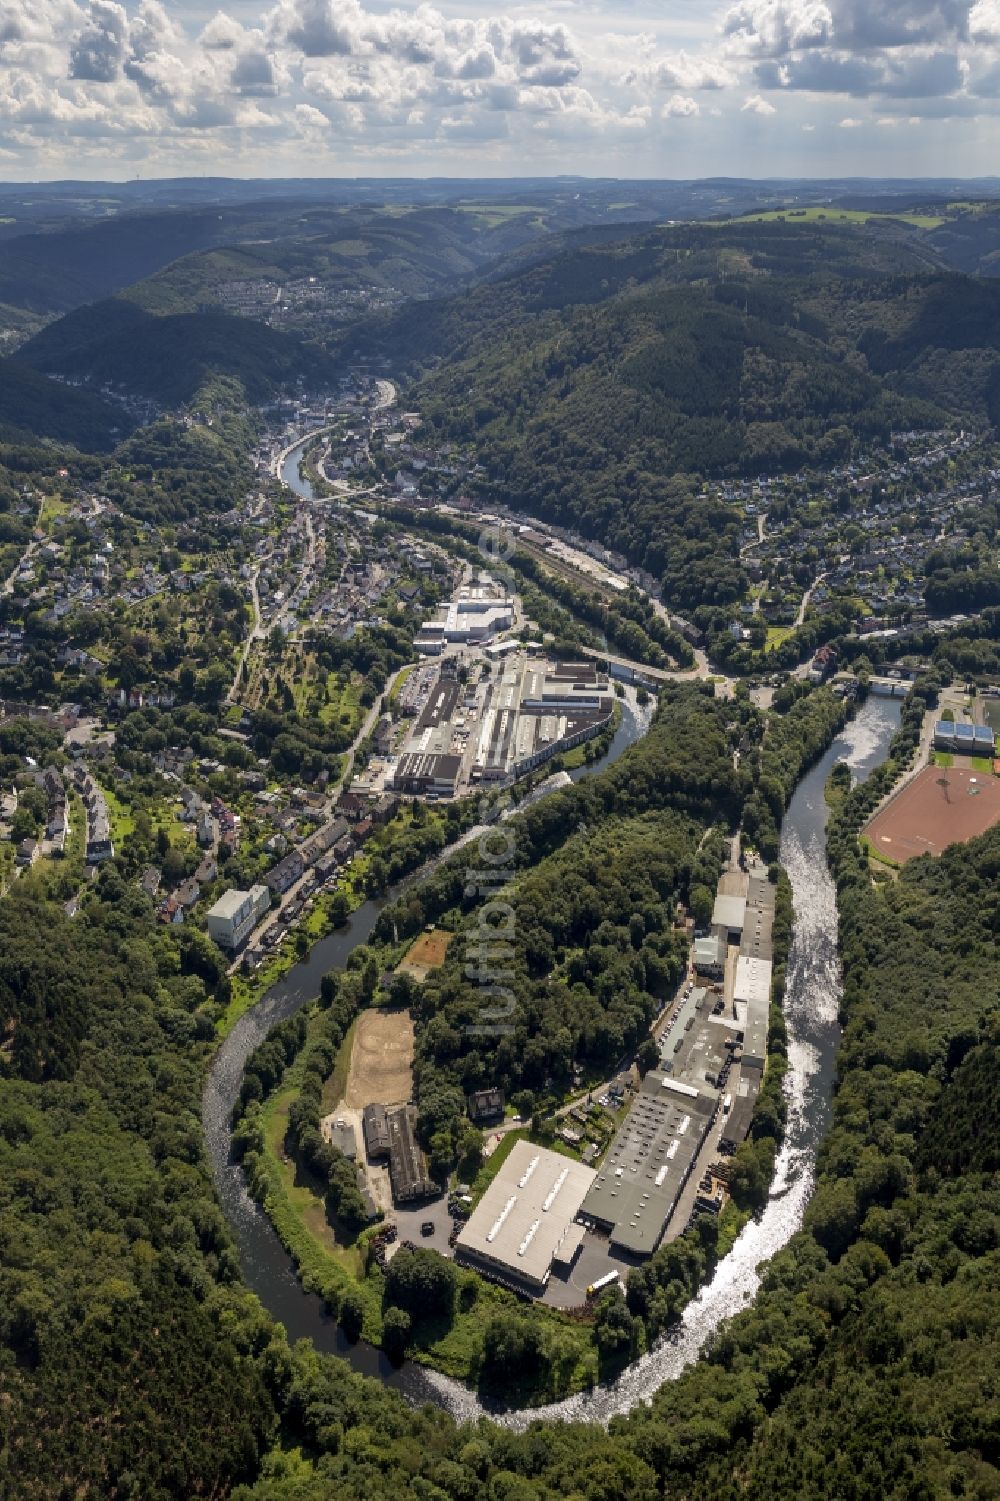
x=866, y=1369
x=65, y=266
x=600, y=387
x=413, y=253
x=169, y=358
x=33, y=407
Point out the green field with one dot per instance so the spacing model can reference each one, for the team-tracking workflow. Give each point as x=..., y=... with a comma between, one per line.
x=991, y=713
x=776, y=634
x=819, y=214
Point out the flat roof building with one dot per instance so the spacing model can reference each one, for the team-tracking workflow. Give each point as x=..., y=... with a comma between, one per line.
x=647, y=1165
x=710, y=955
x=232, y=919
x=520, y=1224
x=729, y=915
x=753, y=980
x=422, y=772
x=343, y=1138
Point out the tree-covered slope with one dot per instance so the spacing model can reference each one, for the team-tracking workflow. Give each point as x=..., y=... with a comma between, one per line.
x=121, y=1370
x=601, y=386
x=412, y=253
x=867, y=1366
x=169, y=358
x=34, y=406
x=597, y=388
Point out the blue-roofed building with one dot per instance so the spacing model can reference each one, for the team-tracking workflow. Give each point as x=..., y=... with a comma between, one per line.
x=968, y=739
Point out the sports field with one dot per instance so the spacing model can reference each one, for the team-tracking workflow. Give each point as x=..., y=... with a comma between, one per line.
x=425, y=953
x=942, y=805
x=381, y=1070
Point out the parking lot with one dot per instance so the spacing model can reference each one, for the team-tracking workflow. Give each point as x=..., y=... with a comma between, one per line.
x=408, y=1219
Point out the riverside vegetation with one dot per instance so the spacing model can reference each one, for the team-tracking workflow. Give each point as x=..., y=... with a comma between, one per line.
x=133, y=1362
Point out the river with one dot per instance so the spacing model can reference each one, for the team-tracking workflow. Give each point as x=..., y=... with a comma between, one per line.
x=811, y=1002
x=267, y=1267
x=812, y=994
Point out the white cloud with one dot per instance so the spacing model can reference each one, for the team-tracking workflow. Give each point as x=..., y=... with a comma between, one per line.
x=681, y=70
x=756, y=104
x=776, y=27
x=984, y=21
x=850, y=122
x=679, y=107
x=98, y=51
x=366, y=80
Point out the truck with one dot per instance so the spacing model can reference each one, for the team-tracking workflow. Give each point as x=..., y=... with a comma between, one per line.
x=608, y=1280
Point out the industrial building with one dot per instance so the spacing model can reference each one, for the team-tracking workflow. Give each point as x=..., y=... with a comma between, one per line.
x=710, y=956
x=408, y=1170
x=537, y=708
x=521, y=711
x=729, y=916
x=475, y=614
x=647, y=1164
x=375, y=1125
x=235, y=915
x=752, y=1002
x=343, y=1138
x=524, y=1221
x=427, y=774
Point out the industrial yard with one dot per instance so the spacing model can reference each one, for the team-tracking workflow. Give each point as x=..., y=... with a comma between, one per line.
x=476, y=718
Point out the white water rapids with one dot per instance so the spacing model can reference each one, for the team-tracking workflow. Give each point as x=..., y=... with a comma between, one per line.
x=812, y=997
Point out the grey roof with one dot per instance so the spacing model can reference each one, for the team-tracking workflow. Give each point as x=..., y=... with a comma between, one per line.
x=648, y=1162
x=729, y=912
x=521, y=1220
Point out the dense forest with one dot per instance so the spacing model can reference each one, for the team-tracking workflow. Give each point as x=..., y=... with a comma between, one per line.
x=33, y=407
x=862, y=1370
x=601, y=386
x=169, y=358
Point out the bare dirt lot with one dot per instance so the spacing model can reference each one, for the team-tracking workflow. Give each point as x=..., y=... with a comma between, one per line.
x=941, y=806
x=381, y=1060
x=425, y=953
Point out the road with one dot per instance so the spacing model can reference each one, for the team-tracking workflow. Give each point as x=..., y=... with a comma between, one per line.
x=255, y=634
x=26, y=556
x=807, y=596
x=701, y=668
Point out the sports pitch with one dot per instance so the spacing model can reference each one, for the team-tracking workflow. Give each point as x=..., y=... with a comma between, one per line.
x=426, y=953
x=941, y=806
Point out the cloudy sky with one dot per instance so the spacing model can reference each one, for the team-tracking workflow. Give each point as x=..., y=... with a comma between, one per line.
x=678, y=88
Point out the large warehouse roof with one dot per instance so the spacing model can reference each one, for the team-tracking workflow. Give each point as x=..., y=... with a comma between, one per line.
x=518, y=1224
x=753, y=980
x=648, y=1162
x=729, y=912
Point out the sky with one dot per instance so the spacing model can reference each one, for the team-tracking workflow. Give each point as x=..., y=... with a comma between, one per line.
x=677, y=89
